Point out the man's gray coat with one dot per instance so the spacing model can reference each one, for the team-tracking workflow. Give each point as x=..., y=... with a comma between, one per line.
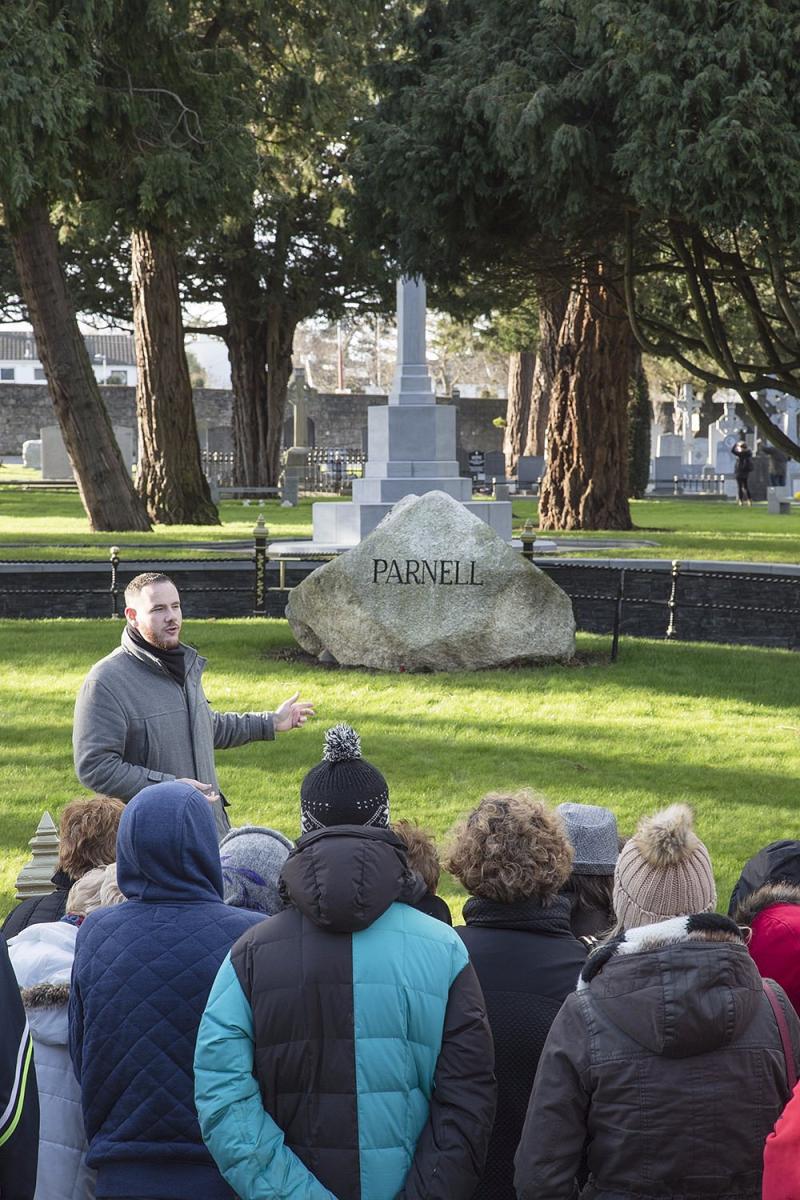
x=135, y=725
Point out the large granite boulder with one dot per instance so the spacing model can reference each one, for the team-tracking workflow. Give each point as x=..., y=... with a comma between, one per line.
x=432, y=588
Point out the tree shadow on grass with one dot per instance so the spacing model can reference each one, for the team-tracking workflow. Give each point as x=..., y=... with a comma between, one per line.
x=752, y=675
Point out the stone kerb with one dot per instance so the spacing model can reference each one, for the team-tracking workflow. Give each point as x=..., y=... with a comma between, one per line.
x=432, y=588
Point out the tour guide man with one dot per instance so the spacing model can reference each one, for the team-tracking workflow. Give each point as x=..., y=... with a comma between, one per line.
x=142, y=717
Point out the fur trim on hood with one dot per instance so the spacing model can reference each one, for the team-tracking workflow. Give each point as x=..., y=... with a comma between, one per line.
x=765, y=897
x=667, y=837
x=702, y=927
x=45, y=995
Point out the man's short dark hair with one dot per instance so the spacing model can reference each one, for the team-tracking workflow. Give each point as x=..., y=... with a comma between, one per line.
x=144, y=580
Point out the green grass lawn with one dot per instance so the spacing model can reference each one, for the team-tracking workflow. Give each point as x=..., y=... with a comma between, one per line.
x=682, y=529
x=715, y=726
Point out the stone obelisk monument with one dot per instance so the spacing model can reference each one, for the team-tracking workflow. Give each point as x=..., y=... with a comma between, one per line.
x=411, y=444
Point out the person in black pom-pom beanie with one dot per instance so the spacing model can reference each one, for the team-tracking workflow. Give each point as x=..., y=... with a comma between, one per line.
x=317, y=1013
x=344, y=789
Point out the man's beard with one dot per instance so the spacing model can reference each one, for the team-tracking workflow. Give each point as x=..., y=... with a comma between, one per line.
x=163, y=644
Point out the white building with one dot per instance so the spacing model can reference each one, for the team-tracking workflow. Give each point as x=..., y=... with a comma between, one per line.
x=111, y=354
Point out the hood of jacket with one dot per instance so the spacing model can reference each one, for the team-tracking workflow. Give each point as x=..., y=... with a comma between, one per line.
x=344, y=877
x=679, y=988
x=42, y=957
x=779, y=862
x=167, y=846
x=765, y=897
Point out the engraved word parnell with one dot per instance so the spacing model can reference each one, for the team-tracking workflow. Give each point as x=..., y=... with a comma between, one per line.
x=412, y=570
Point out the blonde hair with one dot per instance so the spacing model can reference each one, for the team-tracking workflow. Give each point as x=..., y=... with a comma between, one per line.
x=87, y=834
x=109, y=888
x=421, y=852
x=96, y=889
x=510, y=848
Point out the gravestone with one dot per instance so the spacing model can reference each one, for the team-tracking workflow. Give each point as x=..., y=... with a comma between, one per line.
x=724, y=433
x=530, y=469
x=777, y=503
x=477, y=464
x=432, y=588
x=494, y=464
x=55, y=460
x=32, y=454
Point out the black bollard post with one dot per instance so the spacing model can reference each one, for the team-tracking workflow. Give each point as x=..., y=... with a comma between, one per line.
x=260, y=534
x=113, y=555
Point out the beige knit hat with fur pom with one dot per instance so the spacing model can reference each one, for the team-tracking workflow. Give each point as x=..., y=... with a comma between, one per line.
x=663, y=871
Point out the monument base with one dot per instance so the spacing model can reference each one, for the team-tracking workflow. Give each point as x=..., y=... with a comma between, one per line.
x=344, y=523
x=308, y=548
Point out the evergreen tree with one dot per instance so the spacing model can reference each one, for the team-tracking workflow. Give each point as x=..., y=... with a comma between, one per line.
x=605, y=143
x=48, y=69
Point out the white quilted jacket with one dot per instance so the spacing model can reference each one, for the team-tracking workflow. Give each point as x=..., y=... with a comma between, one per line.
x=42, y=960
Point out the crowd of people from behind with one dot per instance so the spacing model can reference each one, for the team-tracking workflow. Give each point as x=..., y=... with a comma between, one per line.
x=196, y=1019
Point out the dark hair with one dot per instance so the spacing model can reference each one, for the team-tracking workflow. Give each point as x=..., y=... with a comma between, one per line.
x=590, y=893
x=145, y=580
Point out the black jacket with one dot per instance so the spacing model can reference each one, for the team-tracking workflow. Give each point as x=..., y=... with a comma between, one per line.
x=434, y=906
x=665, y=1067
x=527, y=961
x=38, y=909
x=19, y=1099
x=744, y=462
x=779, y=862
x=367, y=1033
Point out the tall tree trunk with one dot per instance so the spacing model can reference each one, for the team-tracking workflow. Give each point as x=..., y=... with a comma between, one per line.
x=259, y=337
x=246, y=339
x=586, y=482
x=104, y=482
x=553, y=302
x=709, y=411
x=247, y=352
x=640, y=417
x=281, y=326
x=521, y=366
x=170, y=479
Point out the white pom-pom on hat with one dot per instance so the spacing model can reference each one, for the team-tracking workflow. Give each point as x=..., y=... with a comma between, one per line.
x=342, y=744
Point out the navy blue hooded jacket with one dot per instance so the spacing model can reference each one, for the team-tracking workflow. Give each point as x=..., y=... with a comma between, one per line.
x=142, y=974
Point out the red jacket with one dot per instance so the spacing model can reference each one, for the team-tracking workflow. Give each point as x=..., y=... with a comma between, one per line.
x=782, y=1154
x=773, y=914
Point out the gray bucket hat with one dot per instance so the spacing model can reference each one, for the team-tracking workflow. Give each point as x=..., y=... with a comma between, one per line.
x=593, y=833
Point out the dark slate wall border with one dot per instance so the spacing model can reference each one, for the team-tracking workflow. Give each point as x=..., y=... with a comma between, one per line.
x=740, y=603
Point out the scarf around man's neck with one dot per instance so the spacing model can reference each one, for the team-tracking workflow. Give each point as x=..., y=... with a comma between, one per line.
x=173, y=660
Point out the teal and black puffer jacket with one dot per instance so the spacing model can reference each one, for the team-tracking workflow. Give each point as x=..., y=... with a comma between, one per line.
x=344, y=1051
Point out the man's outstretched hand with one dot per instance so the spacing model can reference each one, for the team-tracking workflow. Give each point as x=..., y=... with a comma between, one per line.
x=292, y=713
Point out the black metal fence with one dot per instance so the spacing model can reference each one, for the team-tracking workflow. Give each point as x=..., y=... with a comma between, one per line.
x=325, y=470
x=677, y=602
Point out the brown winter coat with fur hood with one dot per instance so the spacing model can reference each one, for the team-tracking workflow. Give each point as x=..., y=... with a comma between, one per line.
x=665, y=1069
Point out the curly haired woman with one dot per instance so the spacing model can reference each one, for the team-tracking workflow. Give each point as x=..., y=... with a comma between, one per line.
x=513, y=857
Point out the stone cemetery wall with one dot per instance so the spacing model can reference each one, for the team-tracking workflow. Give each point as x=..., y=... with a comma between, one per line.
x=338, y=420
